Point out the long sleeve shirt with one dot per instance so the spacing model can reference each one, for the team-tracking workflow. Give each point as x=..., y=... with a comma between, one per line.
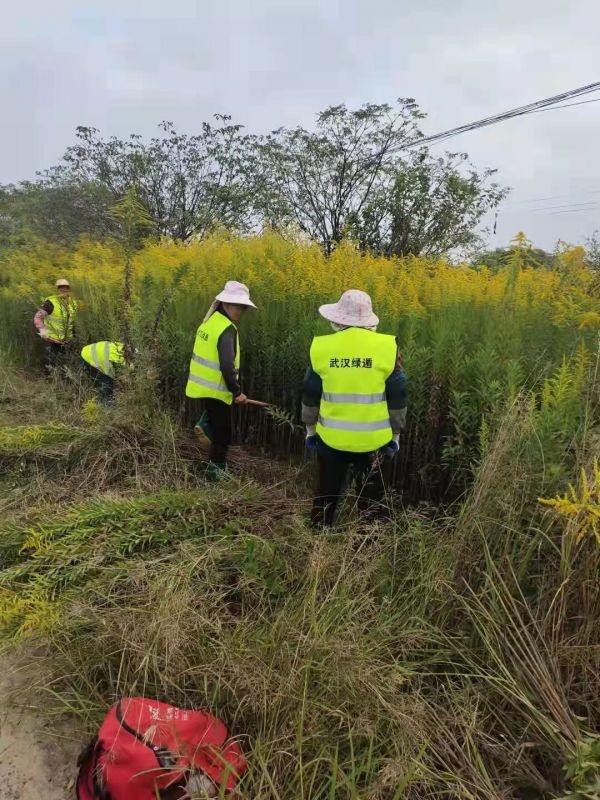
x=227, y=349
x=395, y=394
x=46, y=308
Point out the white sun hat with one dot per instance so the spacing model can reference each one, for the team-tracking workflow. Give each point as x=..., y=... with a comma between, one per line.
x=234, y=292
x=62, y=282
x=354, y=309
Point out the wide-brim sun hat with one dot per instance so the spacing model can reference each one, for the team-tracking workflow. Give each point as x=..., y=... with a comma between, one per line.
x=62, y=282
x=234, y=292
x=237, y=293
x=354, y=309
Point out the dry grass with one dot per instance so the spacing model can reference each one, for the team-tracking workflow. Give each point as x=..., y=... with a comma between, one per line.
x=445, y=654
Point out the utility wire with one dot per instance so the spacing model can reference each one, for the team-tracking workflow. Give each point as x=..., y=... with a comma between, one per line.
x=553, y=197
x=560, y=207
x=568, y=207
x=568, y=105
x=530, y=108
x=514, y=112
x=547, y=104
x=573, y=211
x=546, y=213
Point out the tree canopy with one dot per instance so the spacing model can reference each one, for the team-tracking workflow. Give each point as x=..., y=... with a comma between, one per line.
x=360, y=173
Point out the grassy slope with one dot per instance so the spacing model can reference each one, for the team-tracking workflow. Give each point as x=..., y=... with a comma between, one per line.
x=446, y=655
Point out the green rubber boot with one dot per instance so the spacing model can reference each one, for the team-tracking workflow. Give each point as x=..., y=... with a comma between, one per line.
x=215, y=470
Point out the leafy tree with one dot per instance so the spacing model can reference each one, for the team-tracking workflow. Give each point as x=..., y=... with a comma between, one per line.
x=316, y=180
x=55, y=208
x=188, y=184
x=521, y=250
x=433, y=205
x=349, y=177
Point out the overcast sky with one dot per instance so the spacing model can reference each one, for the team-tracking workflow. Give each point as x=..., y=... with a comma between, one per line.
x=124, y=66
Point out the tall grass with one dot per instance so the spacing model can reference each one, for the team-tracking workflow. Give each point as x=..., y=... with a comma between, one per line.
x=470, y=339
x=452, y=653
x=442, y=655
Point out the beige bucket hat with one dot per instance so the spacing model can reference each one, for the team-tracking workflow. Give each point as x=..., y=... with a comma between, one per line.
x=233, y=292
x=62, y=282
x=354, y=309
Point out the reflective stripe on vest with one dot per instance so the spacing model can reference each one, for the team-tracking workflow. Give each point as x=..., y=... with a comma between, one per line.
x=59, y=323
x=334, y=397
x=205, y=378
x=102, y=356
x=102, y=359
x=354, y=365
x=204, y=382
x=206, y=362
x=343, y=425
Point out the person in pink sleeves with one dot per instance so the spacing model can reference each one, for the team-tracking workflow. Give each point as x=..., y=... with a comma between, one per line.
x=55, y=323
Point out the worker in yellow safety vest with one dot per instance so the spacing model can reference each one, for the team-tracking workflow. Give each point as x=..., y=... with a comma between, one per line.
x=353, y=404
x=214, y=370
x=55, y=323
x=100, y=360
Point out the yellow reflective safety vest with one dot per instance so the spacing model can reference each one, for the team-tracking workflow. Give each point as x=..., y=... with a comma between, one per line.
x=354, y=365
x=205, y=378
x=59, y=324
x=103, y=355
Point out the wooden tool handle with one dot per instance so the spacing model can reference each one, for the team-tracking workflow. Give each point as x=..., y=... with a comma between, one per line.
x=258, y=403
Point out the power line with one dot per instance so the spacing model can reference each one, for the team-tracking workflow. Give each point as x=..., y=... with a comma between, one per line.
x=587, y=209
x=559, y=207
x=568, y=206
x=514, y=112
x=547, y=104
x=573, y=211
x=553, y=197
x=568, y=105
x=519, y=111
x=550, y=213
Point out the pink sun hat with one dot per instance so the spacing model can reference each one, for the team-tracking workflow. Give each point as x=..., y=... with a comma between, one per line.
x=354, y=309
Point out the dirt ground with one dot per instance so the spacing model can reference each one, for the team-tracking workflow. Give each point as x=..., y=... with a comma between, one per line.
x=37, y=757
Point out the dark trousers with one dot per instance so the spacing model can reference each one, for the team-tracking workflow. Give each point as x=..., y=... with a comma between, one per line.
x=104, y=384
x=336, y=469
x=53, y=355
x=219, y=419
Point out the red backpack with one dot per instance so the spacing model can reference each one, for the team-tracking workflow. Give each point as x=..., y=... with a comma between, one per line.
x=146, y=749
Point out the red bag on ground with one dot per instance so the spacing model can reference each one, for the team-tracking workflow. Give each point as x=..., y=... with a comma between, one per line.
x=146, y=749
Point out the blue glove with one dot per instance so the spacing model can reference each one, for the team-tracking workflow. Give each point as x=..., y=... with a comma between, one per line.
x=311, y=444
x=389, y=450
